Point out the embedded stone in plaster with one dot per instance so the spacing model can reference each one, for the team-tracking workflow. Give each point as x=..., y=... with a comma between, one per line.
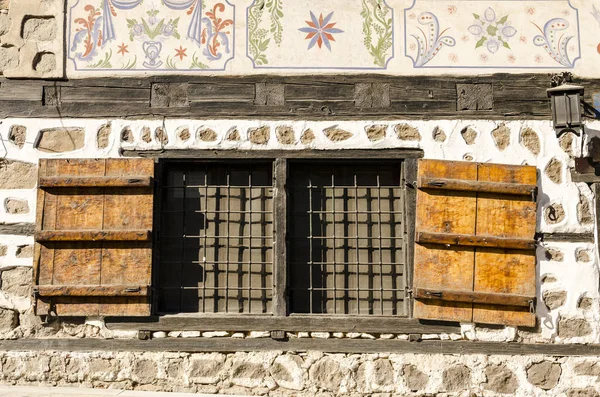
x=146, y=134
x=287, y=372
x=24, y=251
x=161, y=136
x=544, y=375
x=500, y=379
x=584, y=211
x=144, y=371
x=103, y=369
x=15, y=206
x=554, y=254
x=553, y=171
x=530, y=140
x=375, y=375
x=206, y=135
x=9, y=320
x=5, y=22
x=327, y=374
x=336, y=134
x=376, y=132
x=583, y=255
x=501, y=136
x=456, y=378
x=260, y=136
x=548, y=278
x=414, y=378
x=307, y=137
x=554, y=213
x=587, y=368
x=566, y=142
x=585, y=303
x=39, y=28
x=16, y=174
x=4, y=4
x=406, y=132
x=9, y=57
x=285, y=135
x=584, y=392
x=127, y=135
x=17, y=281
x=183, y=134
x=206, y=369
x=103, y=136
x=469, y=135
x=60, y=139
x=17, y=135
x=234, y=135
x=44, y=62
x=468, y=157
x=439, y=135
x=247, y=373
x=3, y=250
x=554, y=299
x=573, y=327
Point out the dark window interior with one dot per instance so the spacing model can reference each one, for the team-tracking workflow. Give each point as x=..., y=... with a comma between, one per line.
x=216, y=238
x=346, y=252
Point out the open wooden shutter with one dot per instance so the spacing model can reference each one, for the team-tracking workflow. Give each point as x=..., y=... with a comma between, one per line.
x=93, y=238
x=475, y=247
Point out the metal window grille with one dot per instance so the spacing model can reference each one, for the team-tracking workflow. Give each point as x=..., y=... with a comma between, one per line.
x=347, y=243
x=216, y=238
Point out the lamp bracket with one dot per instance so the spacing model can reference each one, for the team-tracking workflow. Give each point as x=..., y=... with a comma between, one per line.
x=561, y=78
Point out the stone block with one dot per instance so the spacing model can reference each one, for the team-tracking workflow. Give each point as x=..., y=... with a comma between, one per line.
x=469, y=135
x=9, y=320
x=16, y=206
x=500, y=379
x=554, y=299
x=105, y=369
x=415, y=379
x=406, y=132
x=39, y=28
x=287, y=372
x=439, y=135
x=530, y=140
x=376, y=132
x=259, y=136
x=169, y=95
x=206, y=369
x=474, y=97
x=308, y=137
x=103, y=136
x=206, y=135
x=501, y=136
x=375, y=375
x=144, y=371
x=24, y=251
x=17, y=175
x=544, y=375
x=457, y=378
x=336, y=134
x=584, y=392
x=327, y=374
x=285, y=135
x=17, y=134
x=248, y=373
x=60, y=139
x=17, y=281
x=573, y=327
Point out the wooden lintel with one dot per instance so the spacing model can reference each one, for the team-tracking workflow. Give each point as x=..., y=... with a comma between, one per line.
x=92, y=290
x=102, y=181
x=477, y=186
x=475, y=241
x=93, y=235
x=474, y=297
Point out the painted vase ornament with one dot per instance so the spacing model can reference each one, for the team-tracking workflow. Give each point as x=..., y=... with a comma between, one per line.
x=152, y=50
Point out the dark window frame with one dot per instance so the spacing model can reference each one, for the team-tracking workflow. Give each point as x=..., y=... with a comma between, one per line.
x=281, y=319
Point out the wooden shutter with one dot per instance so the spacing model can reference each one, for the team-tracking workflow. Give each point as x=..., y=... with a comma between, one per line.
x=475, y=247
x=93, y=239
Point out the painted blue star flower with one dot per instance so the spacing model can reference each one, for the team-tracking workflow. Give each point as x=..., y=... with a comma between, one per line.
x=320, y=31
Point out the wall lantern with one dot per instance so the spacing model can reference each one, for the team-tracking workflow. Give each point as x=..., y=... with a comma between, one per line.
x=565, y=101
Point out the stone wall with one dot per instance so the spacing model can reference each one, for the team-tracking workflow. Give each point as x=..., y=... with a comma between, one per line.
x=303, y=374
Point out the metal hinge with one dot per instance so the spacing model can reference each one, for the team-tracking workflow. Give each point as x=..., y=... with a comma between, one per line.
x=408, y=292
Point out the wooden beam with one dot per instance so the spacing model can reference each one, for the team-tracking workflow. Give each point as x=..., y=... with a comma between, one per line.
x=93, y=235
x=280, y=172
x=474, y=297
x=102, y=181
x=92, y=290
x=475, y=241
x=348, y=346
x=323, y=323
x=340, y=154
x=477, y=186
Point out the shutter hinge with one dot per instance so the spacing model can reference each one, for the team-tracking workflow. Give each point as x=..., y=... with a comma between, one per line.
x=532, y=306
x=133, y=289
x=412, y=185
x=408, y=292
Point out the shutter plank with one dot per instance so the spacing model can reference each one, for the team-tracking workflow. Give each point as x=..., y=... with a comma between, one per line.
x=439, y=267
x=505, y=271
x=128, y=263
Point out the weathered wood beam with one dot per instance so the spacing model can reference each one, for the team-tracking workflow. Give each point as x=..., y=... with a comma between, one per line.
x=475, y=241
x=92, y=290
x=477, y=186
x=93, y=235
x=101, y=181
x=474, y=297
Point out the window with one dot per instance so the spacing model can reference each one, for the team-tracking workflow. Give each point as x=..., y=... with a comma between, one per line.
x=346, y=244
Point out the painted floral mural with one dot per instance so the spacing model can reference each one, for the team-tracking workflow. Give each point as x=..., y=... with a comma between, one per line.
x=138, y=35
x=502, y=34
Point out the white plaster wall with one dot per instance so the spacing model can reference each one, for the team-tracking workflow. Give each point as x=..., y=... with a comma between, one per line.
x=577, y=278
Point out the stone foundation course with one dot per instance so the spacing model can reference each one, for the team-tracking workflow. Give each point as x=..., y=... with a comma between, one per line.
x=276, y=373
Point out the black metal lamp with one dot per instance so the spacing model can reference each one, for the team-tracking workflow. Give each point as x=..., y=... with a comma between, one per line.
x=567, y=113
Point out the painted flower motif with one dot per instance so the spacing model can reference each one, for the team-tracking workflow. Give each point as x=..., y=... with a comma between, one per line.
x=492, y=32
x=320, y=31
x=138, y=29
x=168, y=29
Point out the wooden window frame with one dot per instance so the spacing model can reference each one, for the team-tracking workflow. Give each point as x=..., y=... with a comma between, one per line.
x=281, y=319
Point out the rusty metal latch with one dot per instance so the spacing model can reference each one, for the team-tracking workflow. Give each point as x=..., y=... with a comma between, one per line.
x=436, y=183
x=133, y=289
x=436, y=294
